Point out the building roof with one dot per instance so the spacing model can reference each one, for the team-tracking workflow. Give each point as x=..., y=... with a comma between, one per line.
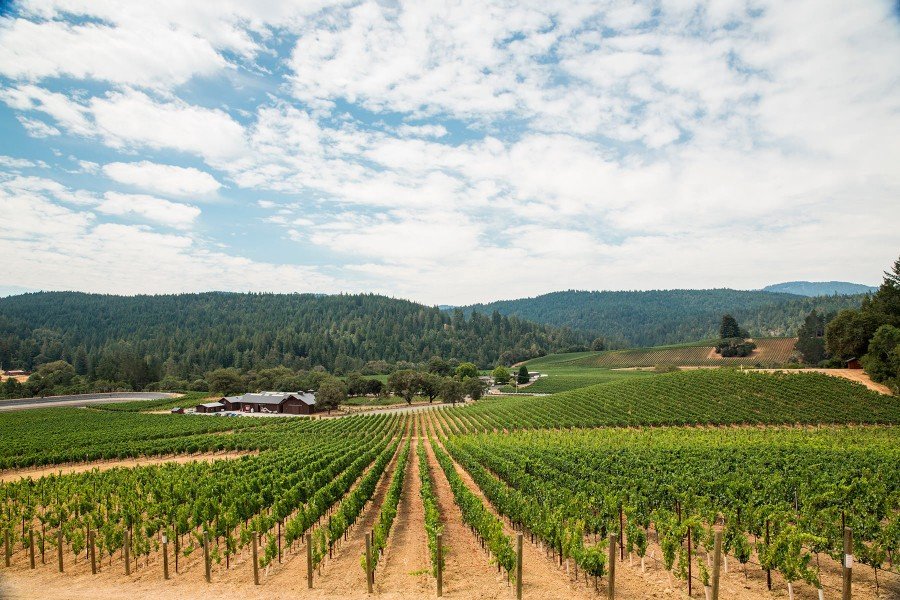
x=212, y=405
x=307, y=398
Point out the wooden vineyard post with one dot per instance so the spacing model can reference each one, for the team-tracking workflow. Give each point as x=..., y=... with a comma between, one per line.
x=440, y=565
x=690, y=586
x=368, y=563
x=255, y=561
x=717, y=563
x=93, y=552
x=206, y=564
x=519, y=566
x=165, y=553
x=7, y=551
x=621, y=534
x=127, y=549
x=177, y=550
x=31, y=547
x=279, y=542
x=611, y=590
x=309, y=565
x=768, y=571
x=59, y=547
x=848, y=563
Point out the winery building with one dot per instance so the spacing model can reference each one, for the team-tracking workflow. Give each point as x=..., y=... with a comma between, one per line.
x=289, y=403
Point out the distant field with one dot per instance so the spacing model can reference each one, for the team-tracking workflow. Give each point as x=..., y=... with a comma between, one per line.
x=770, y=351
x=701, y=396
x=562, y=378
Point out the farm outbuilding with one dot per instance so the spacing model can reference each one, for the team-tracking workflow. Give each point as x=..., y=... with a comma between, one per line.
x=289, y=403
x=853, y=363
x=211, y=407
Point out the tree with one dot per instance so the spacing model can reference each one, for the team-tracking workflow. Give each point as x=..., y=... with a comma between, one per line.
x=439, y=366
x=501, y=375
x=452, y=391
x=80, y=362
x=430, y=384
x=331, y=393
x=882, y=361
x=598, y=345
x=466, y=370
x=848, y=334
x=523, y=376
x=405, y=383
x=227, y=382
x=58, y=373
x=474, y=388
x=729, y=328
x=811, y=338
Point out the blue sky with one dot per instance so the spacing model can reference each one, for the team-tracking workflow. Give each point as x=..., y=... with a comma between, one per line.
x=447, y=153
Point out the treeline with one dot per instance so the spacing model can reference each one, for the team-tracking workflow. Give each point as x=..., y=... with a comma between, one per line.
x=658, y=317
x=144, y=339
x=870, y=333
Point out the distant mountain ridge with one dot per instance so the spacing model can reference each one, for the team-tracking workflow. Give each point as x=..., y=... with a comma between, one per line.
x=820, y=288
x=657, y=317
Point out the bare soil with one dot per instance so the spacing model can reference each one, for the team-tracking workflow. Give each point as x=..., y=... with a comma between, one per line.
x=406, y=564
x=468, y=572
x=105, y=465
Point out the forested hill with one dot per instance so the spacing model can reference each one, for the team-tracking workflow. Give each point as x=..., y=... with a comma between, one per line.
x=185, y=335
x=820, y=288
x=652, y=318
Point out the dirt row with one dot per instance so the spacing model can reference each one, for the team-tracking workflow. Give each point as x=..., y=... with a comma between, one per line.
x=38, y=472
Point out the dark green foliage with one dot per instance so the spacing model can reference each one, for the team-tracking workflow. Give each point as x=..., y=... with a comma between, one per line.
x=473, y=388
x=466, y=370
x=735, y=347
x=882, y=361
x=848, y=334
x=811, y=338
x=452, y=391
x=658, y=317
x=144, y=338
x=522, y=376
x=332, y=391
x=729, y=328
x=598, y=345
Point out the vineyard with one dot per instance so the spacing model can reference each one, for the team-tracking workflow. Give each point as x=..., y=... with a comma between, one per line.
x=705, y=396
x=463, y=500
x=769, y=352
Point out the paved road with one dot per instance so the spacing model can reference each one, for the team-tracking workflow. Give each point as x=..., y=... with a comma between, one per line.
x=81, y=400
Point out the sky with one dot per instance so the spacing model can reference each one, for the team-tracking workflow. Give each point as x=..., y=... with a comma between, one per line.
x=448, y=153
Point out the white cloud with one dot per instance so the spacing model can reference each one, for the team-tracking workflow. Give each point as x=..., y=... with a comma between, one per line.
x=10, y=162
x=157, y=210
x=134, y=55
x=132, y=118
x=75, y=251
x=163, y=179
x=37, y=128
x=603, y=145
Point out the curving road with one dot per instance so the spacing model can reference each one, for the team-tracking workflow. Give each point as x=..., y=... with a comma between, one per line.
x=81, y=400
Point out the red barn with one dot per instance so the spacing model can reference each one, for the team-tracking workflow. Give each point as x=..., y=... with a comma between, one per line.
x=853, y=363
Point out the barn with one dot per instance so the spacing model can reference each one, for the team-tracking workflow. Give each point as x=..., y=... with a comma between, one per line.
x=289, y=403
x=211, y=407
x=853, y=363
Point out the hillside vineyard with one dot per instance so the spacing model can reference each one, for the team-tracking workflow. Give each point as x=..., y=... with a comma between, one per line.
x=301, y=493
